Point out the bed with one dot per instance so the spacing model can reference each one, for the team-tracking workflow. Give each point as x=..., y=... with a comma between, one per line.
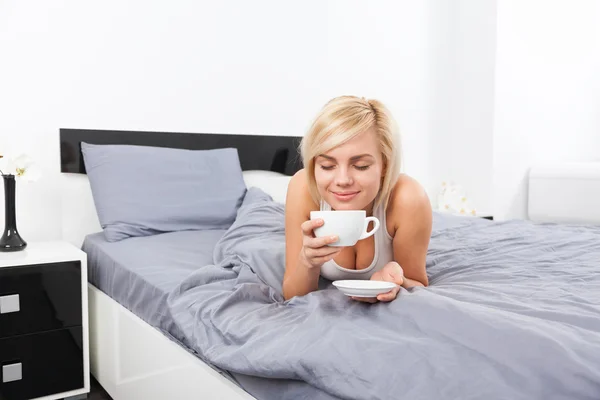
x=512, y=310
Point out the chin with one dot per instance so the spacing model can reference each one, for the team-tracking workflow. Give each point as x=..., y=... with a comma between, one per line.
x=344, y=206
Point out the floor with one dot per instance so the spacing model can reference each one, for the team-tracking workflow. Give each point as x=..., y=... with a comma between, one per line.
x=96, y=392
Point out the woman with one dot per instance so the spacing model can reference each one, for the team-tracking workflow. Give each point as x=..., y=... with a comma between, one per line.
x=351, y=162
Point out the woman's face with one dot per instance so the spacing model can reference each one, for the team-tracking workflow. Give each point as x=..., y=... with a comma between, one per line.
x=349, y=176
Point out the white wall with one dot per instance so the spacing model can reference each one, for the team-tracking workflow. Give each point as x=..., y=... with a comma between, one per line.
x=461, y=146
x=547, y=92
x=517, y=85
x=482, y=90
x=187, y=66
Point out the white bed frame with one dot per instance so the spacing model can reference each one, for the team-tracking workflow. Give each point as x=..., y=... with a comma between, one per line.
x=128, y=357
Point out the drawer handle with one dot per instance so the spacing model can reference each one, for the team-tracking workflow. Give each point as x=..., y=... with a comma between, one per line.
x=9, y=304
x=12, y=372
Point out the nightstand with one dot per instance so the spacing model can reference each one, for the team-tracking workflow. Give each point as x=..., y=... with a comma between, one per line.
x=44, y=323
x=478, y=215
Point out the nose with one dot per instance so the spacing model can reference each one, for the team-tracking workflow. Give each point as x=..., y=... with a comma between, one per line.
x=343, y=177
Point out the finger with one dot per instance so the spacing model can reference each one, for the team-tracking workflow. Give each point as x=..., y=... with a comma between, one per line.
x=392, y=272
x=365, y=299
x=308, y=226
x=387, y=275
x=322, y=260
x=394, y=269
x=362, y=300
x=321, y=252
x=377, y=276
x=389, y=296
x=319, y=242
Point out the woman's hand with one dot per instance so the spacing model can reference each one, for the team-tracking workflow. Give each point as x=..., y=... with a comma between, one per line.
x=315, y=251
x=391, y=272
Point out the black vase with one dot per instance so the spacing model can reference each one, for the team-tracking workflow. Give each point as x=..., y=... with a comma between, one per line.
x=11, y=240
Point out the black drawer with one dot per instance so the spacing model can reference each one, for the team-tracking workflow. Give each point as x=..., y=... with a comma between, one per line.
x=51, y=362
x=49, y=297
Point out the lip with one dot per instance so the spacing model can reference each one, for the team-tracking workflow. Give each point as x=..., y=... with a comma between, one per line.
x=345, y=196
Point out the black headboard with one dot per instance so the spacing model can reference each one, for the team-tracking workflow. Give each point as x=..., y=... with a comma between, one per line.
x=270, y=153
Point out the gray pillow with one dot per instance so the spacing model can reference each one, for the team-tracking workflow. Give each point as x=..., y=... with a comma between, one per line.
x=143, y=190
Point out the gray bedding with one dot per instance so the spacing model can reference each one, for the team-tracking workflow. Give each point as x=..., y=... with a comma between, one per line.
x=139, y=273
x=512, y=311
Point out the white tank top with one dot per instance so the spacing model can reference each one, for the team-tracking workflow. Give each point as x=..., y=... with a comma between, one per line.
x=384, y=252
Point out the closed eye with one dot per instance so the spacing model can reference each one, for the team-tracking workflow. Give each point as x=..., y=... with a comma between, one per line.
x=362, y=167
x=327, y=167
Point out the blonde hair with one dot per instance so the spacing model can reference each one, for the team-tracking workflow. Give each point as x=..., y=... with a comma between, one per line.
x=340, y=120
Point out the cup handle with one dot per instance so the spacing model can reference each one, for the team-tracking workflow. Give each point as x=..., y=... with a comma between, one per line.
x=366, y=234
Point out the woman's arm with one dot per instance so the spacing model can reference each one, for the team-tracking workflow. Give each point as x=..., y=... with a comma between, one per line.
x=413, y=223
x=299, y=278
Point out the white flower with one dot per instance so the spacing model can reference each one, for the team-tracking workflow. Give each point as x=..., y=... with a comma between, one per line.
x=452, y=199
x=26, y=169
x=23, y=167
x=3, y=164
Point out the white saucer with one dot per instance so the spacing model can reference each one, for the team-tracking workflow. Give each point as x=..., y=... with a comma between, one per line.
x=363, y=288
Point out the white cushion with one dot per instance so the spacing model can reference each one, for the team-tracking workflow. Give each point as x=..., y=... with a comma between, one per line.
x=272, y=183
x=565, y=193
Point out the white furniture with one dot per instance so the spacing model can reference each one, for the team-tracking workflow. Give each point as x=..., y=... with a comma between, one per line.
x=133, y=360
x=44, y=322
x=565, y=192
x=477, y=215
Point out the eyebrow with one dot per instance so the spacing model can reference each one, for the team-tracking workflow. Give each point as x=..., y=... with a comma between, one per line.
x=353, y=158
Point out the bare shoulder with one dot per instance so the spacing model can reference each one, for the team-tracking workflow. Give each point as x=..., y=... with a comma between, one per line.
x=298, y=181
x=298, y=199
x=409, y=202
x=408, y=192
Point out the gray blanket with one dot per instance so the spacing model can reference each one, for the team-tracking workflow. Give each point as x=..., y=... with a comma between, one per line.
x=512, y=312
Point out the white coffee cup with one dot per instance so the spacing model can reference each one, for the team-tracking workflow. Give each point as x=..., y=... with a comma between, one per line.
x=349, y=226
